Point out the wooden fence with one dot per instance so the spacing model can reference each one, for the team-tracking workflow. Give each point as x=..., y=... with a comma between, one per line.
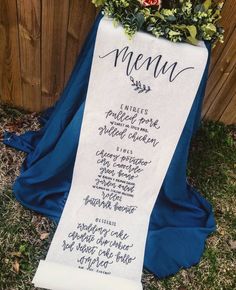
x=220, y=99
x=40, y=40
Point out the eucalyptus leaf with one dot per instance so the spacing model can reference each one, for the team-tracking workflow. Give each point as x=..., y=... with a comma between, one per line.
x=207, y=4
x=192, y=30
x=199, y=8
x=98, y=2
x=150, y=28
x=192, y=40
x=140, y=20
x=191, y=33
x=171, y=18
x=210, y=29
x=158, y=15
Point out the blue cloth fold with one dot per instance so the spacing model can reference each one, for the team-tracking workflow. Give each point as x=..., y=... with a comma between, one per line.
x=181, y=219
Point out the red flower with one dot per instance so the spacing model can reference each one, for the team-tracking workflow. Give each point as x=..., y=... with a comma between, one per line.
x=147, y=3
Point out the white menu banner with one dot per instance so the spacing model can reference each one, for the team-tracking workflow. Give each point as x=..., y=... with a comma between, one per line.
x=139, y=96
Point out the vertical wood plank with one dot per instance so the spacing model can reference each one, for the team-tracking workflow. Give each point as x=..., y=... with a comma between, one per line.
x=223, y=98
x=53, y=48
x=81, y=18
x=29, y=14
x=220, y=74
x=227, y=21
x=10, y=82
x=3, y=45
x=229, y=115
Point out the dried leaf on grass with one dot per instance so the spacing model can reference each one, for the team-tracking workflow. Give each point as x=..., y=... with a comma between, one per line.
x=44, y=236
x=232, y=245
x=16, y=254
x=16, y=266
x=11, y=160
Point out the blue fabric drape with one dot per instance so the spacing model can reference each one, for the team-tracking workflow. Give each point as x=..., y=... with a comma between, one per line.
x=181, y=219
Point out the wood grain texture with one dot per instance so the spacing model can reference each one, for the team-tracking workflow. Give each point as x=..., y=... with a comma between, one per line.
x=222, y=70
x=229, y=115
x=10, y=82
x=78, y=28
x=217, y=96
x=29, y=17
x=3, y=44
x=55, y=15
x=223, y=98
x=227, y=21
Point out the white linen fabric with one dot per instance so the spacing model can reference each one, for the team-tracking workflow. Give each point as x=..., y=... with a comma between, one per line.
x=139, y=96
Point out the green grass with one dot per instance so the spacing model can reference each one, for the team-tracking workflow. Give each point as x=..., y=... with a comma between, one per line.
x=212, y=169
x=20, y=243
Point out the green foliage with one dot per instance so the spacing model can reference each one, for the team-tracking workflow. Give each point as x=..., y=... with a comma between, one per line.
x=177, y=21
x=98, y=2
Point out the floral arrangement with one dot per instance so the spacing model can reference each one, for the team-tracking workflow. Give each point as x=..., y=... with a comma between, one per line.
x=175, y=20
